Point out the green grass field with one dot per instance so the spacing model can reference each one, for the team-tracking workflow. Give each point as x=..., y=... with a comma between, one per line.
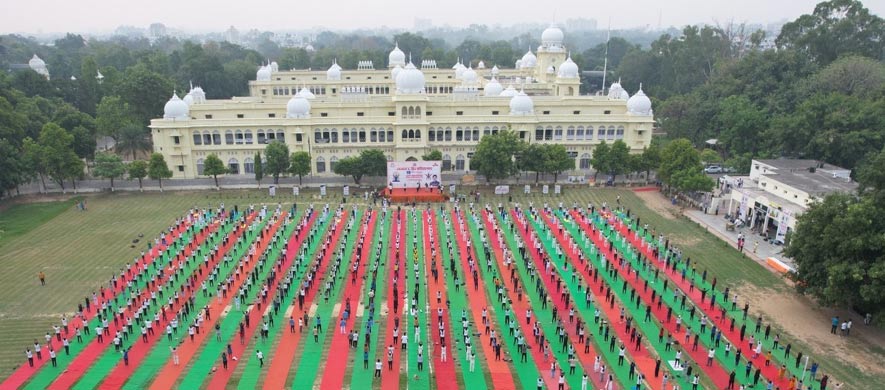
x=80, y=250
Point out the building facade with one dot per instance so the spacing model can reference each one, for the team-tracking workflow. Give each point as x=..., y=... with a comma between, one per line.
x=405, y=110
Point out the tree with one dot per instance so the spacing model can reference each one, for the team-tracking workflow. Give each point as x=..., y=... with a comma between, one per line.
x=259, y=168
x=710, y=156
x=495, y=156
x=650, y=159
x=33, y=158
x=145, y=91
x=300, y=164
x=619, y=161
x=213, y=166
x=600, y=159
x=556, y=160
x=432, y=155
x=158, y=170
x=681, y=167
x=112, y=115
x=373, y=162
x=138, y=169
x=109, y=166
x=532, y=160
x=834, y=29
x=350, y=166
x=277, y=160
x=12, y=167
x=59, y=158
x=132, y=139
x=741, y=123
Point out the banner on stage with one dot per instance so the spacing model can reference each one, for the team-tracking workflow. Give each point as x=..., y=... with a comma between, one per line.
x=411, y=174
x=502, y=190
x=346, y=190
x=322, y=189
x=545, y=189
x=557, y=189
x=272, y=190
x=296, y=191
x=527, y=189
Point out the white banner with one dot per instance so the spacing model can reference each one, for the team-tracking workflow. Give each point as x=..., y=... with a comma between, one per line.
x=322, y=189
x=296, y=191
x=272, y=190
x=411, y=174
x=545, y=189
x=782, y=226
x=745, y=200
x=502, y=190
x=527, y=189
x=557, y=189
x=346, y=190
x=451, y=188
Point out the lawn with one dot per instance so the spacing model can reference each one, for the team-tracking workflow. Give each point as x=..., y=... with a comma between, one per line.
x=80, y=250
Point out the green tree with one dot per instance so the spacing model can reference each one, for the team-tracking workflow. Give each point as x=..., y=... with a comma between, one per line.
x=373, y=162
x=60, y=160
x=710, y=156
x=300, y=164
x=619, y=161
x=259, y=168
x=12, y=167
x=213, y=166
x=109, y=166
x=138, y=170
x=834, y=29
x=432, y=155
x=277, y=154
x=133, y=139
x=350, y=166
x=741, y=123
x=495, y=156
x=145, y=91
x=600, y=159
x=532, y=159
x=557, y=160
x=650, y=159
x=158, y=170
x=112, y=115
x=681, y=167
x=33, y=158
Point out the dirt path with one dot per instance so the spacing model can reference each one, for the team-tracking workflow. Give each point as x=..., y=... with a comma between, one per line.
x=659, y=203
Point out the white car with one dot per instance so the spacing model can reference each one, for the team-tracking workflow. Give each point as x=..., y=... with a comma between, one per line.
x=713, y=169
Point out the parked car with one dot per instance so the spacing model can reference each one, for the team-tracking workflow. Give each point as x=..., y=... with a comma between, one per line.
x=713, y=169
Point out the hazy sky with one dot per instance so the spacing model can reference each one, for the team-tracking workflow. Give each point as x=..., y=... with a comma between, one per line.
x=44, y=16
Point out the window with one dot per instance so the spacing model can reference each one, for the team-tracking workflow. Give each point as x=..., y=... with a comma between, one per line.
x=391, y=113
x=494, y=112
x=619, y=134
x=233, y=166
x=459, y=162
x=240, y=116
x=248, y=137
x=601, y=134
x=200, y=166
x=176, y=139
x=298, y=137
x=198, y=139
x=611, y=133
x=570, y=133
x=207, y=138
x=381, y=137
x=216, y=137
x=228, y=137
x=447, y=162
x=362, y=135
x=539, y=133
x=281, y=136
x=428, y=113
x=576, y=112
x=459, y=112
x=607, y=112
x=324, y=114
x=557, y=134
x=459, y=135
x=238, y=136
x=261, y=138
x=332, y=163
x=431, y=135
x=208, y=116
x=181, y=168
x=373, y=135
x=334, y=136
x=448, y=133
x=271, y=115
x=548, y=133
x=359, y=114
x=418, y=134
x=321, y=164
x=579, y=135
x=249, y=165
x=487, y=131
x=345, y=136
x=389, y=135
x=405, y=135
x=584, y=162
x=546, y=112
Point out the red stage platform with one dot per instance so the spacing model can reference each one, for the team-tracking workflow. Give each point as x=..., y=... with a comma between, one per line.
x=404, y=195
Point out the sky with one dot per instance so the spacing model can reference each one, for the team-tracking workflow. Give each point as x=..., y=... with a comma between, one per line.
x=96, y=16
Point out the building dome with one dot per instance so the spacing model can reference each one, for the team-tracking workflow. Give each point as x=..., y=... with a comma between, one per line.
x=188, y=99
x=274, y=66
x=298, y=107
x=639, y=104
x=395, y=71
x=36, y=62
x=469, y=76
x=263, y=74
x=334, y=72
x=521, y=104
x=481, y=65
x=410, y=80
x=618, y=92
x=396, y=57
x=459, y=70
x=493, y=88
x=552, y=36
x=175, y=108
x=198, y=94
x=309, y=48
x=528, y=60
x=495, y=70
x=568, y=69
x=305, y=93
x=509, y=92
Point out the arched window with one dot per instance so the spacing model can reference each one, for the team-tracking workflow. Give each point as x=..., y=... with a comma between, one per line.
x=321, y=164
x=539, y=133
x=418, y=111
x=619, y=134
x=381, y=137
x=362, y=135
x=557, y=134
x=600, y=135
x=411, y=134
x=332, y=163
x=200, y=166
x=405, y=112
x=431, y=134
x=476, y=133
x=228, y=137
x=216, y=137
x=238, y=136
x=459, y=134
x=207, y=138
x=281, y=136
x=611, y=133
x=249, y=165
x=487, y=131
x=334, y=136
x=448, y=133
x=584, y=162
x=459, y=162
x=248, y=134
x=405, y=134
x=570, y=133
x=353, y=135
x=233, y=166
x=447, y=162
x=262, y=139
x=579, y=134
x=411, y=111
x=548, y=133
x=345, y=136
x=198, y=138
x=418, y=134
x=494, y=129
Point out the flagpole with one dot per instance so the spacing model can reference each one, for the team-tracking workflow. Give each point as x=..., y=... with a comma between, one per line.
x=605, y=63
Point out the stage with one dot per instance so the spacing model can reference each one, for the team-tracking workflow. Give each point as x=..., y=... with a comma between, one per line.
x=409, y=195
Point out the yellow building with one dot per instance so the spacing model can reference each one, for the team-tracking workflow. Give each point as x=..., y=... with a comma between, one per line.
x=404, y=110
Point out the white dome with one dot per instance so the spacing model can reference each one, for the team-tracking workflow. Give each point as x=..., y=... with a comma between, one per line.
x=298, y=107
x=305, y=93
x=396, y=57
x=395, y=71
x=509, y=92
x=334, y=72
x=175, y=108
x=410, y=80
x=481, y=65
x=493, y=88
x=568, y=69
x=552, y=36
x=309, y=48
x=188, y=99
x=521, y=104
x=263, y=74
x=529, y=60
x=639, y=104
x=36, y=62
x=618, y=92
x=469, y=76
x=459, y=70
x=73, y=78
x=495, y=70
x=198, y=95
x=274, y=67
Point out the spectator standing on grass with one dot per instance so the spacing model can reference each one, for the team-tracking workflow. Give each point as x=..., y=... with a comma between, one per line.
x=42, y=278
